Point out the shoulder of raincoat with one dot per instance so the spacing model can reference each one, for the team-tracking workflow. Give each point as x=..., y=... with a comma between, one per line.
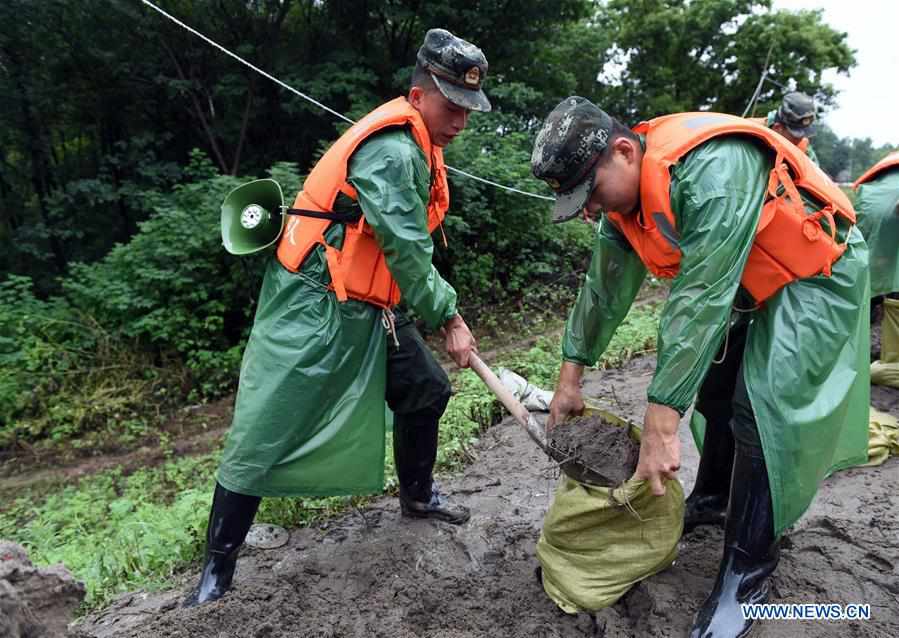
x=810, y=153
x=392, y=179
x=877, y=207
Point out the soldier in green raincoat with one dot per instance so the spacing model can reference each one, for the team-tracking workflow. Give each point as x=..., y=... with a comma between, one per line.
x=781, y=387
x=324, y=354
x=877, y=205
x=795, y=120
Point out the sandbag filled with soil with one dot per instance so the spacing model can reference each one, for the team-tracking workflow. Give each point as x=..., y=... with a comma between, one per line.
x=592, y=450
x=597, y=542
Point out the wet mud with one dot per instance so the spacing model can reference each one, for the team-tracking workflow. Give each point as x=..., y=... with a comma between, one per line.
x=591, y=450
x=373, y=573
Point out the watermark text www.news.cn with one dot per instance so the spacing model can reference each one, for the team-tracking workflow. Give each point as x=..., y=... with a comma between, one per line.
x=807, y=611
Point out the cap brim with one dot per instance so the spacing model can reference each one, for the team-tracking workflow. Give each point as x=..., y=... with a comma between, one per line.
x=570, y=204
x=799, y=131
x=471, y=99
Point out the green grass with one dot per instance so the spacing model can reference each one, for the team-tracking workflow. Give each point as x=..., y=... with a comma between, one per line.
x=118, y=533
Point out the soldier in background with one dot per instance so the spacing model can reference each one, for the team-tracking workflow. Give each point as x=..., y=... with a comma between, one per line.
x=794, y=119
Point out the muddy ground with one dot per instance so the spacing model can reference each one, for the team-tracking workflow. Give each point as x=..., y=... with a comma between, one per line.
x=372, y=573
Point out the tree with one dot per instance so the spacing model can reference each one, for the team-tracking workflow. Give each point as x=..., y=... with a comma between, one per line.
x=679, y=55
x=846, y=158
x=102, y=102
x=832, y=151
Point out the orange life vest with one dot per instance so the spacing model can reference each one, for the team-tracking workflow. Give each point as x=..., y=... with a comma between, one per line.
x=789, y=243
x=890, y=161
x=359, y=270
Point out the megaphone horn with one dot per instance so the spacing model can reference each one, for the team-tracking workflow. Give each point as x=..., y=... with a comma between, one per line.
x=252, y=217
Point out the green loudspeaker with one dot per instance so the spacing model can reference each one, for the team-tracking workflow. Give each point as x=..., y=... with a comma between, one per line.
x=252, y=217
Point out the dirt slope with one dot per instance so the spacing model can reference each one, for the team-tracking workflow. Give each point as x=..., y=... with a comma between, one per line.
x=373, y=573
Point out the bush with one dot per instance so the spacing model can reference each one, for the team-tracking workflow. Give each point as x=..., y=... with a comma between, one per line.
x=173, y=288
x=158, y=318
x=166, y=315
x=63, y=374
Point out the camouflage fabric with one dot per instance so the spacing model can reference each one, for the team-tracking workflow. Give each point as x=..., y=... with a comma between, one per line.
x=457, y=67
x=566, y=150
x=771, y=119
x=797, y=113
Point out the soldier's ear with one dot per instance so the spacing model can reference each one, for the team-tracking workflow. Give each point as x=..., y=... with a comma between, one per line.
x=627, y=148
x=416, y=93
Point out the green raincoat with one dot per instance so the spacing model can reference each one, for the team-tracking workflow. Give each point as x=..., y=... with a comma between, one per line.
x=309, y=415
x=810, y=152
x=805, y=360
x=877, y=207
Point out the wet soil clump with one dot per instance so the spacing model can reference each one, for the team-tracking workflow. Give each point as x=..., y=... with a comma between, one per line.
x=592, y=450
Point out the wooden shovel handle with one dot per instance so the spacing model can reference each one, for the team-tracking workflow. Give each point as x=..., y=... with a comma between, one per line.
x=512, y=404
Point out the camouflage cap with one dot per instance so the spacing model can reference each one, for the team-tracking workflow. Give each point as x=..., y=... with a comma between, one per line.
x=797, y=113
x=566, y=150
x=457, y=67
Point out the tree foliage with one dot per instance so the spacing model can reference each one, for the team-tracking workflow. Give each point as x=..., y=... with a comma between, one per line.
x=102, y=101
x=120, y=132
x=668, y=56
x=844, y=158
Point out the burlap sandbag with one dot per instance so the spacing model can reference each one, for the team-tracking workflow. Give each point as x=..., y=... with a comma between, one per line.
x=885, y=371
x=597, y=542
x=883, y=437
x=886, y=374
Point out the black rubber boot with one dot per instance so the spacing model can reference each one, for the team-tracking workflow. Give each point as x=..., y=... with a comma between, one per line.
x=707, y=503
x=750, y=553
x=415, y=451
x=229, y=521
x=437, y=507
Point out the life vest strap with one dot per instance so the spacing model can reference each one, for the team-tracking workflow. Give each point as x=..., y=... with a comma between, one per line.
x=343, y=218
x=336, y=270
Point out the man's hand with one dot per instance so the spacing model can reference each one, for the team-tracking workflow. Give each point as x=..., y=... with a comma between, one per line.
x=460, y=342
x=567, y=398
x=659, y=447
x=590, y=218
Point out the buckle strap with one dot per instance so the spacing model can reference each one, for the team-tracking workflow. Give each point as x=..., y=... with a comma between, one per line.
x=780, y=176
x=343, y=218
x=811, y=224
x=336, y=270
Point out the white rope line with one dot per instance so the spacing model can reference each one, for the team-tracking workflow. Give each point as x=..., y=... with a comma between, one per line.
x=316, y=102
x=497, y=185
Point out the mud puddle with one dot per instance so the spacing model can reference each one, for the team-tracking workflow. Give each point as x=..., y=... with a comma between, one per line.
x=373, y=573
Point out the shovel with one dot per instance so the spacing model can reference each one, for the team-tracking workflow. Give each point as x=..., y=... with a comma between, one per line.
x=572, y=467
x=513, y=405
